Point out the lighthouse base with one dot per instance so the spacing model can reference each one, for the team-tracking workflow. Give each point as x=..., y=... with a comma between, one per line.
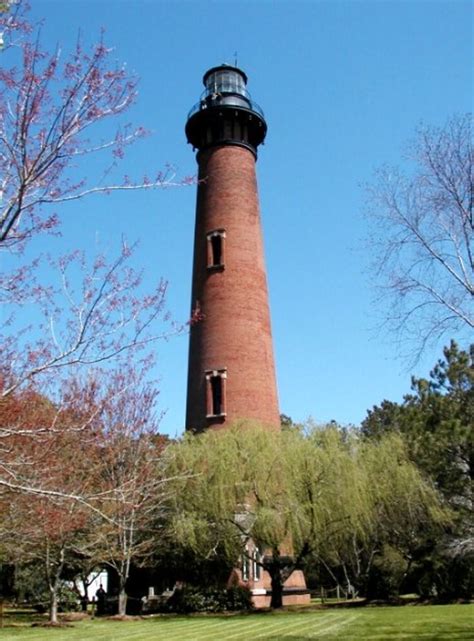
x=295, y=591
x=253, y=575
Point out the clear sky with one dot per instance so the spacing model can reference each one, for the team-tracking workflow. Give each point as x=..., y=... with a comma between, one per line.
x=343, y=86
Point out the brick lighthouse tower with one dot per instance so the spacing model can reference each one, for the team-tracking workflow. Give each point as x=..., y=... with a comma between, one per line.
x=231, y=367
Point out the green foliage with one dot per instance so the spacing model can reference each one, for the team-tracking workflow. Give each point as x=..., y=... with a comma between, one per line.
x=436, y=422
x=31, y=587
x=318, y=491
x=197, y=599
x=387, y=572
x=287, y=423
x=239, y=598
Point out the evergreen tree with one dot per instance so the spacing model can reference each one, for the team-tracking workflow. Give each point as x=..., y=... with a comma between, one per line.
x=436, y=421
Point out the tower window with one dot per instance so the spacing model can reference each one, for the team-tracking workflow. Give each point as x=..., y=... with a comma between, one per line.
x=257, y=568
x=215, y=249
x=215, y=392
x=246, y=565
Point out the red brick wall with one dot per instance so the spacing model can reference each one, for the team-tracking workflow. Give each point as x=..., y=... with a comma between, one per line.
x=235, y=332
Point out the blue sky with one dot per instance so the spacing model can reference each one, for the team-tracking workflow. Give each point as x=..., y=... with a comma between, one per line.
x=343, y=86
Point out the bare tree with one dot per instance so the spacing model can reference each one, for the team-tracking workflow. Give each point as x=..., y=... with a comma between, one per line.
x=423, y=237
x=61, y=317
x=82, y=480
x=130, y=476
x=58, y=110
x=93, y=314
x=58, y=474
x=45, y=479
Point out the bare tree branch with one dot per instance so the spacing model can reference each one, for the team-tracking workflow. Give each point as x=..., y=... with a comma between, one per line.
x=423, y=237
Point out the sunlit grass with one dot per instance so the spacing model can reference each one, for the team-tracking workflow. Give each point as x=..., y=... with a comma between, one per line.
x=424, y=623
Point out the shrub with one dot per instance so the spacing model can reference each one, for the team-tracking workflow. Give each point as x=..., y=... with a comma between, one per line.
x=30, y=587
x=196, y=599
x=239, y=598
x=67, y=600
x=446, y=579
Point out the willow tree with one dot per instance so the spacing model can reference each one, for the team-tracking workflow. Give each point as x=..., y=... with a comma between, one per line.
x=296, y=494
x=404, y=507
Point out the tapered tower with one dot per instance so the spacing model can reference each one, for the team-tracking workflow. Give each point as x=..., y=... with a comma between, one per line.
x=231, y=371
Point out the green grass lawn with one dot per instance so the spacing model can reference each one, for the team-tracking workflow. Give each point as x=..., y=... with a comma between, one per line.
x=424, y=623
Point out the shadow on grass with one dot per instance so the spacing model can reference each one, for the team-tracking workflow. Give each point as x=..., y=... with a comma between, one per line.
x=22, y=618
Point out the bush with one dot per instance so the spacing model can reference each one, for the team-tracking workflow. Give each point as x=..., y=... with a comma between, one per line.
x=67, y=600
x=446, y=579
x=31, y=587
x=196, y=599
x=387, y=574
x=239, y=598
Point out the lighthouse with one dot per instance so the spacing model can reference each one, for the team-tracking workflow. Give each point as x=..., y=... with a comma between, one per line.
x=231, y=371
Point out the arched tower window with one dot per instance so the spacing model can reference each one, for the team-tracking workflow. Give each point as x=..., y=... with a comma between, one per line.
x=216, y=392
x=216, y=249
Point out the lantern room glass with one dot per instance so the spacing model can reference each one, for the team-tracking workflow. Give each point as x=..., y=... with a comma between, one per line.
x=224, y=81
x=225, y=86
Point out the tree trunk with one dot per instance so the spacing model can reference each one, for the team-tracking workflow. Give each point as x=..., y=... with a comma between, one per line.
x=277, y=589
x=53, y=606
x=122, y=602
x=277, y=584
x=84, y=603
x=404, y=575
